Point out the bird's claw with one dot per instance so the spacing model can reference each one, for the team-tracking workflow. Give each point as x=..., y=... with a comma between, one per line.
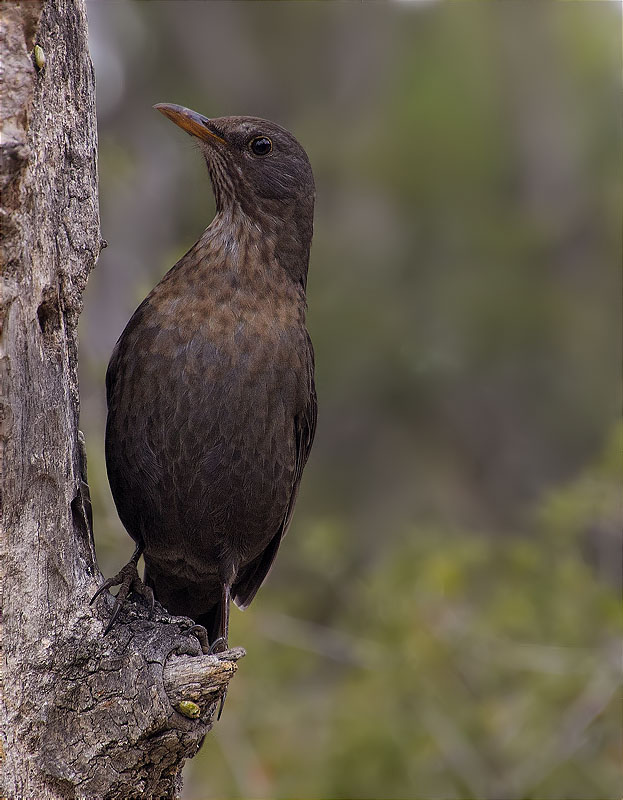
x=221, y=704
x=201, y=633
x=218, y=645
x=128, y=581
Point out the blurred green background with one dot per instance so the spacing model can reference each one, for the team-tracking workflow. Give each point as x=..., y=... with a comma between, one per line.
x=443, y=620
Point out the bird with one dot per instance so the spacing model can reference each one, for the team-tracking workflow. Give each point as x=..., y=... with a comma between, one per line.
x=210, y=388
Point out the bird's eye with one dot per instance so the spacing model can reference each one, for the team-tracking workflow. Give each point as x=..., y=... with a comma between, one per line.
x=261, y=145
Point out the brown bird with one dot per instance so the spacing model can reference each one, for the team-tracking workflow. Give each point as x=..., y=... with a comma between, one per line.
x=210, y=388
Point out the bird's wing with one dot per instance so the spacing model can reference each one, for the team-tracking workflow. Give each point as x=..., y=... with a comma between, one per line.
x=253, y=575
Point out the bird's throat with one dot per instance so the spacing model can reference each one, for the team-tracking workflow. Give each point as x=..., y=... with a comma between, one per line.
x=269, y=242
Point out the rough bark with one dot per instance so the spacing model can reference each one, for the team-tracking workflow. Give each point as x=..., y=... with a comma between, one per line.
x=82, y=715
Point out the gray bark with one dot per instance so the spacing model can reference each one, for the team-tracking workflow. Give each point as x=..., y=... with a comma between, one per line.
x=82, y=715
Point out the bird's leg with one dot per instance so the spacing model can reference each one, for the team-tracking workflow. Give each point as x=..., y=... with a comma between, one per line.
x=128, y=581
x=220, y=645
x=217, y=626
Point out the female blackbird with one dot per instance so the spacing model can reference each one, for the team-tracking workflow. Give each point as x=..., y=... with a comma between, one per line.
x=210, y=388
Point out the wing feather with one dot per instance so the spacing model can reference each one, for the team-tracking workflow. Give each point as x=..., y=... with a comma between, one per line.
x=251, y=577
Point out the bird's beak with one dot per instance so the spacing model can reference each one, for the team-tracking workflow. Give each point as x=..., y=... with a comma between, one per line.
x=193, y=123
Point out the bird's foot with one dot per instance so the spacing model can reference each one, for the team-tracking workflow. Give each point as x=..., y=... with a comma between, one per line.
x=128, y=580
x=218, y=645
x=201, y=633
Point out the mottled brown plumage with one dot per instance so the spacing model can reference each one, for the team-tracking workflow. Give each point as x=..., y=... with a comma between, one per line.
x=211, y=400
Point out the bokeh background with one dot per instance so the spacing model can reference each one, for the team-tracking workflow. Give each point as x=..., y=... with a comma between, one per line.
x=443, y=620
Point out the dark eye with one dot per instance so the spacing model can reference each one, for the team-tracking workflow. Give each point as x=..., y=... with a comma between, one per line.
x=261, y=145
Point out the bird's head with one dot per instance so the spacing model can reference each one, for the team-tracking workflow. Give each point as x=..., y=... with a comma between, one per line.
x=253, y=163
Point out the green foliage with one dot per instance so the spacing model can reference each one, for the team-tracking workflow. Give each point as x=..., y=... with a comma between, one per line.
x=468, y=665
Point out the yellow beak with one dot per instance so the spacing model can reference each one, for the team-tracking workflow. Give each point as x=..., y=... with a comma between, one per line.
x=190, y=121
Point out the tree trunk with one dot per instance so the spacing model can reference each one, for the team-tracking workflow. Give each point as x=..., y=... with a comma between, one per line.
x=82, y=715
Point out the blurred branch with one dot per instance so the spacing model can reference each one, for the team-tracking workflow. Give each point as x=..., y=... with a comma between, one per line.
x=321, y=640
x=574, y=723
x=251, y=777
x=457, y=750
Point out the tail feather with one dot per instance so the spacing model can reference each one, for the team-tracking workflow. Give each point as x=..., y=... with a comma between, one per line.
x=254, y=574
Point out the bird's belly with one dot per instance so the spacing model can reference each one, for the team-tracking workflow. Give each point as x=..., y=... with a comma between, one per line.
x=204, y=453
